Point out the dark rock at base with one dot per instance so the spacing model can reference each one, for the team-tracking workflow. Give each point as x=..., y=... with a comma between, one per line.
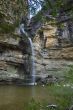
x=50, y=79
x=71, y=107
x=52, y=106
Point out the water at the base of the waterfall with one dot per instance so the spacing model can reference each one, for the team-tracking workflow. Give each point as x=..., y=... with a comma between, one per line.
x=32, y=62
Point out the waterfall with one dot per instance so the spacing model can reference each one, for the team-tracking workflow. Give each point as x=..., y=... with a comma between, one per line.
x=32, y=62
x=24, y=33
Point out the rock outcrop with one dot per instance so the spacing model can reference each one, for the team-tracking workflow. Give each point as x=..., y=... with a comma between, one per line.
x=51, y=58
x=12, y=60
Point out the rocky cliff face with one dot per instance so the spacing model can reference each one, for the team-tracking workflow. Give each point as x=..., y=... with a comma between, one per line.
x=14, y=59
x=52, y=58
x=10, y=59
x=11, y=55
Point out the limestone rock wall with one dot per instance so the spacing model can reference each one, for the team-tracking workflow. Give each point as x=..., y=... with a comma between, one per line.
x=53, y=59
x=11, y=55
x=10, y=59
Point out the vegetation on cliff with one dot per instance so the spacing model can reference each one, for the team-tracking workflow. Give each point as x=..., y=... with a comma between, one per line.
x=10, y=14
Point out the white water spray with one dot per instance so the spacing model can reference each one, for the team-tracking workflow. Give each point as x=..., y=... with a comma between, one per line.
x=32, y=61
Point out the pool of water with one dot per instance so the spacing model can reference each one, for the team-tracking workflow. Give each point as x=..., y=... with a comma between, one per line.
x=17, y=97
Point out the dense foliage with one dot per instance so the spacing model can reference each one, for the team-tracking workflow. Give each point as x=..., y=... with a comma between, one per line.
x=11, y=12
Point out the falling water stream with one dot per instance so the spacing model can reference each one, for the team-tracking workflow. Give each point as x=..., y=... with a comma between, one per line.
x=25, y=34
x=32, y=62
x=31, y=3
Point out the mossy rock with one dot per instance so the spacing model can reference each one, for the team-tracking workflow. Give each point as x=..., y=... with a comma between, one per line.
x=6, y=28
